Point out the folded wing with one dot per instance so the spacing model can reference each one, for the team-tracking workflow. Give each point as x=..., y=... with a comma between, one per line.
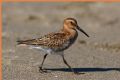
x=51, y=40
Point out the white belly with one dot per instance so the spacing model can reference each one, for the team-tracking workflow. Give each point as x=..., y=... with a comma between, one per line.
x=45, y=50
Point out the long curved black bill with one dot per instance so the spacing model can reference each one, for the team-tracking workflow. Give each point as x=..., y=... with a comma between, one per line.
x=82, y=31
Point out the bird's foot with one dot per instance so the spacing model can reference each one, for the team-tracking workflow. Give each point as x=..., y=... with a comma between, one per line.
x=41, y=70
x=78, y=73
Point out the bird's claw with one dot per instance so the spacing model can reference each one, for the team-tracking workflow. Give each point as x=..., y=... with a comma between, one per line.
x=78, y=73
x=41, y=70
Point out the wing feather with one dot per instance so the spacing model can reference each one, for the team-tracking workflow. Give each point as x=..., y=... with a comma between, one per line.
x=50, y=40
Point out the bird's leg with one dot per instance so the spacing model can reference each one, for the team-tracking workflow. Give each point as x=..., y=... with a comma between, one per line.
x=69, y=65
x=40, y=68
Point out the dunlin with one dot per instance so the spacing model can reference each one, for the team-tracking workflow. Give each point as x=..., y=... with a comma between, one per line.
x=57, y=42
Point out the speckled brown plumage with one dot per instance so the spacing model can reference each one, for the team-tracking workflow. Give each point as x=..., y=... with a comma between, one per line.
x=52, y=40
x=56, y=42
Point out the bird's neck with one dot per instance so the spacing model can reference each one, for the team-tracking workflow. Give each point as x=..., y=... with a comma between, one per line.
x=68, y=31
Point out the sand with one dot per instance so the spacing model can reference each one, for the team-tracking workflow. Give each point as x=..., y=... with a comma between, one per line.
x=97, y=56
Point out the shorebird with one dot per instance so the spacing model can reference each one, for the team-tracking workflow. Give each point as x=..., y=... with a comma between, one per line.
x=56, y=42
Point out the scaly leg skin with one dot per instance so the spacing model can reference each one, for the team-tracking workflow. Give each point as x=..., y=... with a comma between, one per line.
x=41, y=70
x=70, y=66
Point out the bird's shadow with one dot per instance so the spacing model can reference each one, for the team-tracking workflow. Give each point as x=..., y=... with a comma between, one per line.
x=84, y=69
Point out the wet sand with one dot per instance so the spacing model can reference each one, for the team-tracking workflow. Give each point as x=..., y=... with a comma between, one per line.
x=97, y=56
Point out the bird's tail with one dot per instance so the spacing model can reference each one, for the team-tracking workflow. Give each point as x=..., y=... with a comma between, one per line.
x=26, y=42
x=20, y=42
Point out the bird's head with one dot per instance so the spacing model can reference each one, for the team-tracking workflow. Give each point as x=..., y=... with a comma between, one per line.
x=71, y=23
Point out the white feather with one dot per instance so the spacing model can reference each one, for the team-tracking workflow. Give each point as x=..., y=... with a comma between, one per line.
x=46, y=50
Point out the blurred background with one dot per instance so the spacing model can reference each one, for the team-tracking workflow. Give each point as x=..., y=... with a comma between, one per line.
x=98, y=56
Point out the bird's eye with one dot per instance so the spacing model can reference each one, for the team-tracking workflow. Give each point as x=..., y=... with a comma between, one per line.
x=71, y=22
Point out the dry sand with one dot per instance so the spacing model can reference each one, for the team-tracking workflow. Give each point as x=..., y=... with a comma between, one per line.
x=97, y=56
